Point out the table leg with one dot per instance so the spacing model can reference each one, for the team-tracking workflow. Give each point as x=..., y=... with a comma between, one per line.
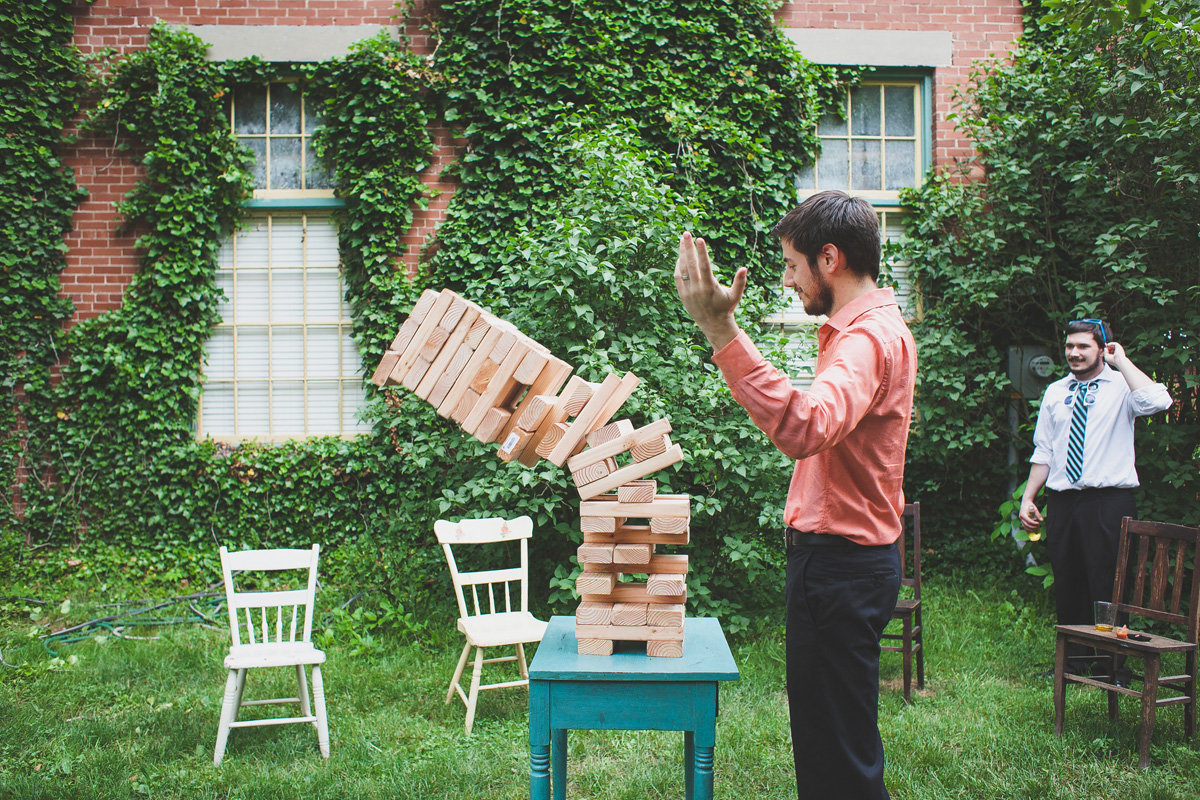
x=539, y=740
x=558, y=758
x=703, y=781
x=689, y=764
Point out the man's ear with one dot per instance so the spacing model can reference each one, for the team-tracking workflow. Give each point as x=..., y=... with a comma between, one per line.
x=830, y=259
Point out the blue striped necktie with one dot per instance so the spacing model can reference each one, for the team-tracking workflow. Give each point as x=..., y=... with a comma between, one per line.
x=1078, y=429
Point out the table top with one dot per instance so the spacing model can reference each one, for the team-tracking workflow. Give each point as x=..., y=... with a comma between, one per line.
x=706, y=657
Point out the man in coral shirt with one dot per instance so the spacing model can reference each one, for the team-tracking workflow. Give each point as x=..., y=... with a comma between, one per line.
x=848, y=434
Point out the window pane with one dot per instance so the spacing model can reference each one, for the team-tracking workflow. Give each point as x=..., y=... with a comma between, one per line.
x=219, y=356
x=287, y=351
x=253, y=417
x=259, y=171
x=831, y=124
x=315, y=174
x=313, y=118
x=323, y=410
x=216, y=409
x=287, y=295
x=250, y=109
x=864, y=168
x=287, y=403
x=287, y=241
x=285, y=163
x=250, y=297
x=285, y=108
x=351, y=360
x=864, y=111
x=807, y=177
x=900, y=110
x=901, y=164
x=321, y=243
x=323, y=350
x=833, y=165
x=252, y=357
x=324, y=296
x=250, y=246
x=352, y=403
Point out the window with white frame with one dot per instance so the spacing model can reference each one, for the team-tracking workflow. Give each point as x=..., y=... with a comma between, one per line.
x=878, y=145
x=281, y=364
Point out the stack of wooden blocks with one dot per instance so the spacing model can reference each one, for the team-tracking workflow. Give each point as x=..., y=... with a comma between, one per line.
x=501, y=386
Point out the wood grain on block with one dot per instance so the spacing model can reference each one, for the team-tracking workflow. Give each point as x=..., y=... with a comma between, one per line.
x=554, y=435
x=618, y=446
x=479, y=329
x=505, y=342
x=415, y=318
x=604, y=403
x=454, y=314
x=625, y=614
x=385, y=367
x=433, y=345
x=634, y=533
x=665, y=505
x=555, y=415
x=667, y=615
x=531, y=366
x=416, y=372
x=466, y=404
x=639, y=491
x=665, y=584
x=607, y=433
x=593, y=613
x=597, y=525
x=628, y=633
x=595, y=647
x=463, y=383
x=484, y=374
x=499, y=390
x=665, y=648
x=446, y=380
x=534, y=411
x=644, y=451
x=596, y=582
x=633, y=593
x=637, y=469
x=633, y=553
x=513, y=444
x=491, y=424
x=424, y=331
x=452, y=358
x=594, y=553
x=552, y=377
x=658, y=564
x=574, y=402
x=593, y=472
x=669, y=524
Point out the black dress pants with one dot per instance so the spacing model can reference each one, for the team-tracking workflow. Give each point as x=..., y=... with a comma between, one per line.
x=839, y=599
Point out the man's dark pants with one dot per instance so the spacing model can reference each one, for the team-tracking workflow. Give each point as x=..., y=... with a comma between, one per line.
x=839, y=599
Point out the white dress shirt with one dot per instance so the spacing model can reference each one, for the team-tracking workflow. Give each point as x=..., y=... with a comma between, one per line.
x=1108, y=441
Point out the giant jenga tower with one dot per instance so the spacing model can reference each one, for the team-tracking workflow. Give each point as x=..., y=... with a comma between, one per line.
x=501, y=386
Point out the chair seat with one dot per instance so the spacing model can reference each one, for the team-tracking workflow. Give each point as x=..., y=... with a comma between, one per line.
x=1108, y=639
x=495, y=630
x=273, y=654
x=906, y=606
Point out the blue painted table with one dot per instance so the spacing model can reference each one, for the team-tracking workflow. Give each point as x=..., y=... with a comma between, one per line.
x=625, y=691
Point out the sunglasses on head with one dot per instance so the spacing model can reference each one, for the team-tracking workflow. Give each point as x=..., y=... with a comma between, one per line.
x=1098, y=323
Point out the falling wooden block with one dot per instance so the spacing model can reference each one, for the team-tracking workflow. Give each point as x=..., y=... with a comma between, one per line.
x=385, y=368
x=632, y=553
x=594, y=613
x=554, y=434
x=619, y=445
x=593, y=472
x=479, y=329
x=416, y=372
x=462, y=384
x=456, y=311
x=433, y=345
x=466, y=404
x=535, y=411
x=665, y=648
x=531, y=366
x=601, y=583
x=660, y=584
x=415, y=318
x=453, y=370
x=609, y=432
x=605, y=401
x=622, y=614
x=555, y=415
x=514, y=444
x=428, y=325
x=594, y=553
x=484, y=374
x=666, y=615
x=452, y=358
x=595, y=647
x=631, y=472
x=640, y=491
x=644, y=451
x=580, y=394
x=669, y=524
x=552, y=377
x=491, y=425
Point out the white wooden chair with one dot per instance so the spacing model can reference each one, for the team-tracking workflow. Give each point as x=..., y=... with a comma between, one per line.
x=271, y=628
x=491, y=619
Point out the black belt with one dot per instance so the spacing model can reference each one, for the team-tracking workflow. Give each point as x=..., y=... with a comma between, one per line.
x=795, y=538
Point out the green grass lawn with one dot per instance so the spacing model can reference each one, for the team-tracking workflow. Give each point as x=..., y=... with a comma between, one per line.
x=138, y=718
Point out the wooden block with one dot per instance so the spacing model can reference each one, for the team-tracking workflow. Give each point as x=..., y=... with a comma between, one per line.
x=416, y=372
x=484, y=375
x=609, y=432
x=601, y=583
x=505, y=343
x=635, y=470
x=604, y=403
x=479, y=329
x=458, y=308
x=667, y=615
x=499, y=390
x=628, y=633
x=423, y=332
x=452, y=357
x=597, y=525
x=415, y=318
x=554, y=435
x=446, y=380
x=433, y=345
x=462, y=384
x=466, y=404
x=634, y=553
x=552, y=377
x=491, y=424
x=578, y=398
x=669, y=524
x=665, y=505
x=665, y=648
x=594, y=553
x=534, y=411
x=650, y=563
x=640, y=491
x=661, y=584
x=633, y=593
x=514, y=444
x=593, y=614
x=595, y=647
x=593, y=472
x=555, y=415
x=633, y=534
x=644, y=451
x=384, y=369
x=623, y=614
x=531, y=366
x=618, y=446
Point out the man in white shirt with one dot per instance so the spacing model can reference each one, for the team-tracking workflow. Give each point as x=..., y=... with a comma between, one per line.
x=1083, y=455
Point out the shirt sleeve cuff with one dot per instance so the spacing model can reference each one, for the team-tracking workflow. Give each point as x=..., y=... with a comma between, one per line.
x=736, y=359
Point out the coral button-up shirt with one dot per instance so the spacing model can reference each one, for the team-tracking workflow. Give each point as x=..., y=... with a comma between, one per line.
x=849, y=431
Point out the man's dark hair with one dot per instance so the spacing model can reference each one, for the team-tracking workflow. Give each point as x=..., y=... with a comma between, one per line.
x=848, y=223
x=1099, y=331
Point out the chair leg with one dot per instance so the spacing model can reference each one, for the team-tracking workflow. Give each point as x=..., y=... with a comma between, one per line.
x=1060, y=683
x=319, y=703
x=1149, y=704
x=919, y=639
x=906, y=647
x=1189, y=708
x=458, y=671
x=302, y=692
x=473, y=695
x=229, y=708
x=521, y=661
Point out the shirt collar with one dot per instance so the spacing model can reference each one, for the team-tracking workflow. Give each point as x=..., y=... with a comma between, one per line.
x=875, y=298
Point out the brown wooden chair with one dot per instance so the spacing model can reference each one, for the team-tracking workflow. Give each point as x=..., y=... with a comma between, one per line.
x=1155, y=580
x=908, y=608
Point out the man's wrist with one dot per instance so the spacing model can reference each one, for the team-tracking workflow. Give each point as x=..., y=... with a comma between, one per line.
x=721, y=333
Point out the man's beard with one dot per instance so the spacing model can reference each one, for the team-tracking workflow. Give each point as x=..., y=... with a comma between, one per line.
x=818, y=305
